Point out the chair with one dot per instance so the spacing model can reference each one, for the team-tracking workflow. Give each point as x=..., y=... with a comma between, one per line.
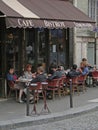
x=12, y=88
x=54, y=86
x=45, y=108
x=35, y=87
x=95, y=77
x=61, y=84
x=81, y=82
x=75, y=87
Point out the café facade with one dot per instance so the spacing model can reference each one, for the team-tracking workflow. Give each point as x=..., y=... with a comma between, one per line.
x=37, y=32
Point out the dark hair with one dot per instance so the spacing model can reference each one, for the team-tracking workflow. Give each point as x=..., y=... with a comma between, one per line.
x=10, y=68
x=84, y=59
x=54, y=66
x=74, y=66
x=27, y=66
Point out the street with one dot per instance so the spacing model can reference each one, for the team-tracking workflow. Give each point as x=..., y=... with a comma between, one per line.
x=88, y=121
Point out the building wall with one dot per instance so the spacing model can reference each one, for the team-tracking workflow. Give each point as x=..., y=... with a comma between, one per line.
x=82, y=36
x=83, y=5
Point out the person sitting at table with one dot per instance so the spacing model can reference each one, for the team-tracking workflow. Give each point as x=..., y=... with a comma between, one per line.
x=84, y=65
x=56, y=74
x=61, y=70
x=28, y=72
x=74, y=72
x=40, y=76
x=12, y=77
x=28, y=75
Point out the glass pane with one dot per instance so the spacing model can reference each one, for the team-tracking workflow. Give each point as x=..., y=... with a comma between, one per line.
x=57, y=54
x=30, y=51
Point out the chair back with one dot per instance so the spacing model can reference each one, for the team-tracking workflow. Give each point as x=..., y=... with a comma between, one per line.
x=54, y=82
x=75, y=80
x=95, y=74
x=35, y=86
x=81, y=79
x=62, y=80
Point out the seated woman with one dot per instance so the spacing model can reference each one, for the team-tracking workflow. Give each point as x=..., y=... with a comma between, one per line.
x=11, y=76
x=28, y=75
x=28, y=72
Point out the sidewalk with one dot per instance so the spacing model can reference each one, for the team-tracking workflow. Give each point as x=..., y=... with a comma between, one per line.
x=13, y=114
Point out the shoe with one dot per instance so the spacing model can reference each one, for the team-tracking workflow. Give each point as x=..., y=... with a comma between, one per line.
x=20, y=101
x=31, y=98
x=31, y=101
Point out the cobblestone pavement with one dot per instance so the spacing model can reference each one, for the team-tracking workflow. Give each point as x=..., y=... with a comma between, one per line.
x=88, y=121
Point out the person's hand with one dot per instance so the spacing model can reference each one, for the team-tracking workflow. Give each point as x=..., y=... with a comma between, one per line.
x=33, y=75
x=16, y=80
x=49, y=74
x=80, y=70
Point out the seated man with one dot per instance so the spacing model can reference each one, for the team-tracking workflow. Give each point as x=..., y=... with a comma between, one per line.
x=84, y=65
x=61, y=70
x=56, y=74
x=11, y=76
x=40, y=77
x=73, y=72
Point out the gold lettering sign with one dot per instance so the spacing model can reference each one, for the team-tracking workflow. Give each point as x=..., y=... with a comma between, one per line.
x=25, y=23
x=54, y=24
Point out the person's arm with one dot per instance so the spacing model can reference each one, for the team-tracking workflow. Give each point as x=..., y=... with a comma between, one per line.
x=86, y=71
x=35, y=80
x=52, y=76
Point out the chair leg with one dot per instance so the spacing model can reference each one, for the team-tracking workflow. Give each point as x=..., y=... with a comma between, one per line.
x=59, y=93
x=16, y=94
x=78, y=90
x=53, y=94
x=9, y=93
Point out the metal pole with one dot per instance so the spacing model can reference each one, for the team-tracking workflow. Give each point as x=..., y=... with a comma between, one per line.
x=71, y=99
x=27, y=103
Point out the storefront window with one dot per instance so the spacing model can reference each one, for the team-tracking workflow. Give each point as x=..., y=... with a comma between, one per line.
x=57, y=46
x=41, y=51
x=30, y=45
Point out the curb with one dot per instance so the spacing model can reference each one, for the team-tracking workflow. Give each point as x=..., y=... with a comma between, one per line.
x=43, y=119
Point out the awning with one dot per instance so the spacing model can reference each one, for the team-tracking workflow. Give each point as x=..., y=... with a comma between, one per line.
x=43, y=13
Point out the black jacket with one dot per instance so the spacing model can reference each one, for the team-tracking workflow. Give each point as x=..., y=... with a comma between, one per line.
x=55, y=75
x=73, y=73
x=39, y=78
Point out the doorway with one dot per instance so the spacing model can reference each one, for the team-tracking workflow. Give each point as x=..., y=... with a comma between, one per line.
x=58, y=44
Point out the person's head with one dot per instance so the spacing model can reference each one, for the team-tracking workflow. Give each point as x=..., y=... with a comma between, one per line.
x=28, y=67
x=40, y=70
x=60, y=67
x=84, y=62
x=54, y=67
x=11, y=70
x=84, y=59
x=74, y=67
